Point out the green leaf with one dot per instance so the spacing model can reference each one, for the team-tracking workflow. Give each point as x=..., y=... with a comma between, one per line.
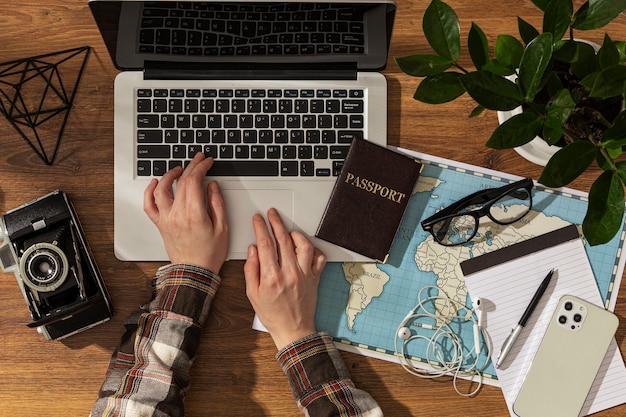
x=621, y=47
x=477, y=111
x=606, y=209
x=509, y=51
x=594, y=14
x=551, y=135
x=589, y=80
x=553, y=84
x=442, y=30
x=608, y=53
x=478, y=46
x=516, y=131
x=610, y=82
x=559, y=108
x=616, y=131
x=587, y=61
x=494, y=66
x=556, y=19
x=423, y=65
x=492, y=91
x=534, y=62
x=621, y=170
x=565, y=50
x=526, y=30
x=440, y=88
x=568, y=163
x=614, y=152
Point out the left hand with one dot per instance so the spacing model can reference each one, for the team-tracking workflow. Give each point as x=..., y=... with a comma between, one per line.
x=191, y=232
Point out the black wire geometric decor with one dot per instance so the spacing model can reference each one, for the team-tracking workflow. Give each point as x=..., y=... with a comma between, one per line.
x=36, y=95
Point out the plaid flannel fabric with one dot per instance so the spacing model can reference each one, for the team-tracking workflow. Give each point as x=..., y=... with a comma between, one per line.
x=320, y=381
x=148, y=373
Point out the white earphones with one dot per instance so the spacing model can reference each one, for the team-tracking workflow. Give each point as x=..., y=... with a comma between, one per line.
x=478, y=325
x=404, y=333
x=457, y=359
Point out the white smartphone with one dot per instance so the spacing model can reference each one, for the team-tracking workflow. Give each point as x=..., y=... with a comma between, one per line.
x=567, y=361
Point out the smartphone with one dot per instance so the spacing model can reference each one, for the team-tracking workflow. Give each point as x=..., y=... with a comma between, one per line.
x=567, y=361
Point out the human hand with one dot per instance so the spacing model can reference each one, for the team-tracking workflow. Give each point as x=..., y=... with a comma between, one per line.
x=282, y=276
x=191, y=232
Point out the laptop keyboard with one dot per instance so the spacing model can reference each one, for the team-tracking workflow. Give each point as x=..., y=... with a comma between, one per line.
x=250, y=132
x=216, y=29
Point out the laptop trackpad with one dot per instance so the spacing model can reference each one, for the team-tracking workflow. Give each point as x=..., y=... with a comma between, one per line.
x=241, y=205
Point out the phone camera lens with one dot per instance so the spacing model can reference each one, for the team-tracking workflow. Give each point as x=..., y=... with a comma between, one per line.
x=577, y=318
x=562, y=319
x=568, y=306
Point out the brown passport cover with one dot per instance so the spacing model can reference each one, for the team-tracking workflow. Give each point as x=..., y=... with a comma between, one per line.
x=368, y=201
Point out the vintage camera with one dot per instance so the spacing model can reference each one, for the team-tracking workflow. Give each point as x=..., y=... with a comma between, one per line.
x=44, y=245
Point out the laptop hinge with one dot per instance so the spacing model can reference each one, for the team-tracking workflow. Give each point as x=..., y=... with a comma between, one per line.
x=245, y=71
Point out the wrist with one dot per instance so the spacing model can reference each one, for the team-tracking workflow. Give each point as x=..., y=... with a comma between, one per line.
x=283, y=340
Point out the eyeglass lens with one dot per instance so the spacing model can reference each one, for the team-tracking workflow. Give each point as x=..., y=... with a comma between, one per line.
x=461, y=228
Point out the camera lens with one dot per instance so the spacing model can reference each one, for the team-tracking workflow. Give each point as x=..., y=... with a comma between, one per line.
x=43, y=267
x=562, y=319
x=568, y=306
x=577, y=318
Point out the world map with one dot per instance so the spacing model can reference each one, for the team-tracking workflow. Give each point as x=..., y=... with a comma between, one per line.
x=362, y=304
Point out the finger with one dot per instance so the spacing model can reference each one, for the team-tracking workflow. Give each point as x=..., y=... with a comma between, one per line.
x=193, y=190
x=189, y=178
x=319, y=262
x=284, y=243
x=265, y=245
x=251, y=271
x=193, y=164
x=163, y=195
x=304, y=250
x=149, y=205
x=217, y=207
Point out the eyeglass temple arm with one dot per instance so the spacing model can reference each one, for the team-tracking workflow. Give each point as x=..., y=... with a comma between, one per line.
x=478, y=197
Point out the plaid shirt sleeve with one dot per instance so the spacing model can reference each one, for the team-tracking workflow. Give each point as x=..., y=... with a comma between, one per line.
x=320, y=381
x=148, y=374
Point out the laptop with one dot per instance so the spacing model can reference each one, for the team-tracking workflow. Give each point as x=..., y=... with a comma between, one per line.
x=274, y=91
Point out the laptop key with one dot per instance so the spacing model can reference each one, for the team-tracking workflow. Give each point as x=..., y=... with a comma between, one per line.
x=153, y=151
x=245, y=168
x=289, y=168
x=148, y=120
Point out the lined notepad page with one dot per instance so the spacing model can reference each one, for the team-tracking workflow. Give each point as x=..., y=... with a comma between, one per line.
x=507, y=288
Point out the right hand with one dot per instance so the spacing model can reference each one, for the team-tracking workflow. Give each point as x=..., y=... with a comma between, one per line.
x=282, y=277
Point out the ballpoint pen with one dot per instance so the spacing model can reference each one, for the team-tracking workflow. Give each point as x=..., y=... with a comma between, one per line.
x=510, y=340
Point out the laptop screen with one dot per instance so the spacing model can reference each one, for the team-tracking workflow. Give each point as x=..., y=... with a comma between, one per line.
x=140, y=33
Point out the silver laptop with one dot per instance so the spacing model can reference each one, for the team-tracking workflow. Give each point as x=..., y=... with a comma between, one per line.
x=275, y=91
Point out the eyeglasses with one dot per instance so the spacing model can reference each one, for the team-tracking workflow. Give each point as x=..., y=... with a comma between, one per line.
x=458, y=223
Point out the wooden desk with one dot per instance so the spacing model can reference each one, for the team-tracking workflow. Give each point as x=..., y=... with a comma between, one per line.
x=235, y=373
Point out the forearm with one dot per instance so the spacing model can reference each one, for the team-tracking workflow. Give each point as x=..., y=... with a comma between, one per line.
x=149, y=372
x=320, y=381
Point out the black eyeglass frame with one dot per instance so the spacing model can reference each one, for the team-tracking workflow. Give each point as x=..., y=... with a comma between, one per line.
x=485, y=197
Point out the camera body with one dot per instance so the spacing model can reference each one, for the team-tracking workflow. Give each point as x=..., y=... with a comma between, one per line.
x=44, y=245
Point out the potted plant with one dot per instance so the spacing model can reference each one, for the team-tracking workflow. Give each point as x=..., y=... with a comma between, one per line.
x=563, y=92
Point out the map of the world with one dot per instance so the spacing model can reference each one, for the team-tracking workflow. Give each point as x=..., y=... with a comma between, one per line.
x=361, y=304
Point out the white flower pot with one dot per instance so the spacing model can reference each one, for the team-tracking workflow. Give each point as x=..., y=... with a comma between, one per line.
x=537, y=150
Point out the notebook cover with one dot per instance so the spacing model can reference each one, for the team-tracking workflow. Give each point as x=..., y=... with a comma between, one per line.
x=368, y=201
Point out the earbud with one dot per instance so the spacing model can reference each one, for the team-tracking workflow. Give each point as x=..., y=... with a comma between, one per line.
x=478, y=308
x=477, y=304
x=404, y=333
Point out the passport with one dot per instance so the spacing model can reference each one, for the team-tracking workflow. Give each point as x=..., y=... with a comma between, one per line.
x=368, y=201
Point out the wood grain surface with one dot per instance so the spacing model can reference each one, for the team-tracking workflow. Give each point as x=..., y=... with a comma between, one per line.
x=235, y=373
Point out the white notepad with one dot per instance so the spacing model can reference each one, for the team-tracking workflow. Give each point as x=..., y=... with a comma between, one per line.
x=506, y=280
